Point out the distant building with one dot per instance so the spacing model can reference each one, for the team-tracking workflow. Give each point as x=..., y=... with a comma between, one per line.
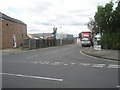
x=40, y=35
x=50, y=36
x=69, y=36
x=64, y=36
x=12, y=32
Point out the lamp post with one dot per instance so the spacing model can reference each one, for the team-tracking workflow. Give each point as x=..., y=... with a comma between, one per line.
x=43, y=35
x=60, y=37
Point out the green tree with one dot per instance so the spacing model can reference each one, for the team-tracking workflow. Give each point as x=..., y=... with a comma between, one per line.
x=100, y=19
x=107, y=21
x=54, y=35
x=54, y=32
x=80, y=35
x=116, y=18
x=103, y=17
x=93, y=26
x=108, y=17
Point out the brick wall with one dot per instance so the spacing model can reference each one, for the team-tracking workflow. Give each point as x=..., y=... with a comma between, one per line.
x=0, y=34
x=8, y=29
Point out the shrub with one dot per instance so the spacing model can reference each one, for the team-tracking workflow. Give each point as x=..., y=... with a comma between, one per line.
x=110, y=41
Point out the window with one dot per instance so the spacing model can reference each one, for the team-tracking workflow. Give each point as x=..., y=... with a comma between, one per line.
x=11, y=26
x=22, y=36
x=6, y=24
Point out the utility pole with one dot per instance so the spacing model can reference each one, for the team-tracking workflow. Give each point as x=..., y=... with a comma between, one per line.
x=43, y=35
x=60, y=38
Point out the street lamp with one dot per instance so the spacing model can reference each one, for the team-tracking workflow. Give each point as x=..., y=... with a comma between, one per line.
x=60, y=37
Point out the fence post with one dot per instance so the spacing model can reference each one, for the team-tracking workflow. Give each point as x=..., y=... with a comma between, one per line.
x=29, y=43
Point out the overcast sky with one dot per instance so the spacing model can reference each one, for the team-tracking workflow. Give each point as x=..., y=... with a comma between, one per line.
x=42, y=15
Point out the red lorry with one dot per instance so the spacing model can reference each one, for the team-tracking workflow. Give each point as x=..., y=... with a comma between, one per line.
x=86, y=34
x=86, y=39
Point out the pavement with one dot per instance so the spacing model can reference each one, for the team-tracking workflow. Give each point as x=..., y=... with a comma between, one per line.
x=103, y=53
x=17, y=50
x=11, y=50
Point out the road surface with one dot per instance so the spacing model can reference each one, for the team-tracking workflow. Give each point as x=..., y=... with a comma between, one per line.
x=58, y=67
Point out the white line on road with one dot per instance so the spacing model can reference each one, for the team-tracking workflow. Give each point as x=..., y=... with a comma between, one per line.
x=44, y=62
x=84, y=64
x=80, y=64
x=98, y=65
x=65, y=64
x=57, y=62
x=35, y=62
x=35, y=77
x=54, y=64
x=72, y=63
x=118, y=86
x=29, y=57
x=113, y=66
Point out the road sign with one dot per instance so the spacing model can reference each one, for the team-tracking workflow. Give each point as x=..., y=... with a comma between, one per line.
x=97, y=47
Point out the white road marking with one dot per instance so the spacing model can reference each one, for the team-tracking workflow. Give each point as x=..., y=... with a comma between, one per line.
x=118, y=86
x=29, y=57
x=113, y=66
x=72, y=63
x=35, y=62
x=44, y=62
x=35, y=77
x=84, y=64
x=57, y=62
x=54, y=63
x=65, y=64
x=98, y=65
x=80, y=64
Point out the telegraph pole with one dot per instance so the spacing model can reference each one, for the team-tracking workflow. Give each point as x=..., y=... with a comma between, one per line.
x=60, y=38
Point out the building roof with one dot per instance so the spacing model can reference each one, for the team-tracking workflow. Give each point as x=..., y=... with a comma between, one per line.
x=3, y=16
x=41, y=35
x=50, y=35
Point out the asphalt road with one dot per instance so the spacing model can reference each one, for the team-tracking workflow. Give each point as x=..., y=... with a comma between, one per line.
x=58, y=67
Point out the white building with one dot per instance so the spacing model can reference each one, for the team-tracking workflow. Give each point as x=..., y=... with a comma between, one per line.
x=46, y=35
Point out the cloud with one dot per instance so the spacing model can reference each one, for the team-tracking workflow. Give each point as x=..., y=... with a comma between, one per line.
x=42, y=15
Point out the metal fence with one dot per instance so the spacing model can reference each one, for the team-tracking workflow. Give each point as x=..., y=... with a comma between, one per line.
x=43, y=43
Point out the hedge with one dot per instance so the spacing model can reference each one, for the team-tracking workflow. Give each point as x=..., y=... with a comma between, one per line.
x=110, y=41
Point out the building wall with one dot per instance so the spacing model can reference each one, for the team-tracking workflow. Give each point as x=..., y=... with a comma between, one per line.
x=64, y=36
x=8, y=29
x=0, y=34
x=69, y=36
x=61, y=35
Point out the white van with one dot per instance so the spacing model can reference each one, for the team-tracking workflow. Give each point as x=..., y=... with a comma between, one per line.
x=86, y=42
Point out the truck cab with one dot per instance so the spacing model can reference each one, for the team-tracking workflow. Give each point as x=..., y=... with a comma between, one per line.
x=86, y=42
